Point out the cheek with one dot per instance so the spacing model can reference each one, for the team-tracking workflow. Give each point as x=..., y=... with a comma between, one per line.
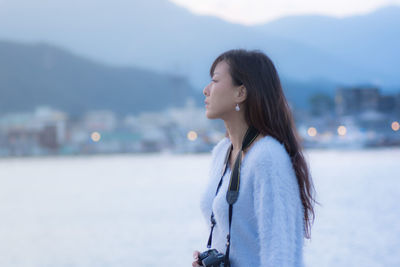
x=219, y=90
x=221, y=99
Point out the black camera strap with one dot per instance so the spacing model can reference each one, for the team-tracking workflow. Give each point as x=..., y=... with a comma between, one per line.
x=234, y=183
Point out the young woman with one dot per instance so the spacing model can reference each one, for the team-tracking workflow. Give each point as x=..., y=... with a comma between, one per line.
x=272, y=213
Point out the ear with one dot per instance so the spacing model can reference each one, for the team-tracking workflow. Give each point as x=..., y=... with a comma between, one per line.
x=241, y=93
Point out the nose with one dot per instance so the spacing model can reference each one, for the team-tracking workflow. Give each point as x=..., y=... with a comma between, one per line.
x=205, y=90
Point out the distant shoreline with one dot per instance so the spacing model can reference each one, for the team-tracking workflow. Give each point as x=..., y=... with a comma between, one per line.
x=151, y=154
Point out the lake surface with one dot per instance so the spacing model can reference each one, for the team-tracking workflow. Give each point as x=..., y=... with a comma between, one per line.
x=143, y=210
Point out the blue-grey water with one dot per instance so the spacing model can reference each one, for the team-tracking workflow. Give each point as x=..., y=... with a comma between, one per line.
x=143, y=210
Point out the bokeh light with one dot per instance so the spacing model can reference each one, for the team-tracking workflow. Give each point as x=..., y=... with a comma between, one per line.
x=342, y=130
x=192, y=135
x=95, y=136
x=312, y=131
x=395, y=126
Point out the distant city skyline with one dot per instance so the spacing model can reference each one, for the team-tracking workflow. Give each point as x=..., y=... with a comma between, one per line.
x=250, y=12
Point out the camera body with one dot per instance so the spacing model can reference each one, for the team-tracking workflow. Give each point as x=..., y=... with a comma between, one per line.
x=212, y=258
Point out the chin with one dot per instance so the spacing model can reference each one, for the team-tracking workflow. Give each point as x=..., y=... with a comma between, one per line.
x=209, y=115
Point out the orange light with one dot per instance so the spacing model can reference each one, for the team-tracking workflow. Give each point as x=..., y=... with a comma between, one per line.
x=342, y=130
x=192, y=135
x=312, y=131
x=95, y=136
x=395, y=126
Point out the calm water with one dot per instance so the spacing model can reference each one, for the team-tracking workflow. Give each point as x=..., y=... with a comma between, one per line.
x=143, y=210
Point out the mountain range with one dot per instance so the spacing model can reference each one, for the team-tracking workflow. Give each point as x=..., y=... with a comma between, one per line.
x=159, y=35
x=127, y=40
x=33, y=75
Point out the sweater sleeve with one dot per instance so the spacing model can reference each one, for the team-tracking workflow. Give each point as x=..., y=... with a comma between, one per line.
x=276, y=202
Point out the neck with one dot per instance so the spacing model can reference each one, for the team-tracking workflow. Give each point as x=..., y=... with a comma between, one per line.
x=236, y=127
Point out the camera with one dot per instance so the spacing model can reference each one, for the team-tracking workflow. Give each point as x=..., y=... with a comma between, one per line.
x=212, y=258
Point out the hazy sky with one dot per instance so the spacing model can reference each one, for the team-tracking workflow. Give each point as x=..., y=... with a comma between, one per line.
x=259, y=11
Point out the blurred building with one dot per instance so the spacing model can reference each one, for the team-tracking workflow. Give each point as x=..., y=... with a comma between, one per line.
x=40, y=132
x=397, y=105
x=355, y=100
x=100, y=120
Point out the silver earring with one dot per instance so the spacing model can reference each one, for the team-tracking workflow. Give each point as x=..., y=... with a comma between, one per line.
x=237, y=108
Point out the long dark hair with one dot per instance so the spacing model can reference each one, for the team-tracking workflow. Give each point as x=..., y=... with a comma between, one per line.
x=267, y=109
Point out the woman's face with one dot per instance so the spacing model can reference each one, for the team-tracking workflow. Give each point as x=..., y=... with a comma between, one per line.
x=220, y=93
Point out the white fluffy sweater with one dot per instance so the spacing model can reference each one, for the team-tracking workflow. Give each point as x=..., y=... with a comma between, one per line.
x=267, y=223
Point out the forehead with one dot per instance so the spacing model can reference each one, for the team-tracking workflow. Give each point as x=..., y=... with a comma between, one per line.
x=221, y=68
